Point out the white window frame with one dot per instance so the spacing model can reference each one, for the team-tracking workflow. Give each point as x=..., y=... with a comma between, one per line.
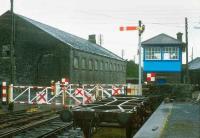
x=170, y=51
x=150, y=53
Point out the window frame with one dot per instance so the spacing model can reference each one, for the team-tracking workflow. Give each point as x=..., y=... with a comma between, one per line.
x=96, y=67
x=101, y=65
x=151, y=51
x=170, y=50
x=111, y=67
x=83, y=63
x=90, y=64
x=106, y=66
x=76, y=62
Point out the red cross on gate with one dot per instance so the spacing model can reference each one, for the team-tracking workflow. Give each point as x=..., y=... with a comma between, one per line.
x=116, y=91
x=88, y=99
x=79, y=91
x=41, y=97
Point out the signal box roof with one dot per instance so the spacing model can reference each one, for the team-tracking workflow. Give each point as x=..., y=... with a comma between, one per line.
x=161, y=39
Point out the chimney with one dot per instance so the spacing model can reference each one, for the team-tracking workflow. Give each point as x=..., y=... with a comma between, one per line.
x=92, y=38
x=179, y=36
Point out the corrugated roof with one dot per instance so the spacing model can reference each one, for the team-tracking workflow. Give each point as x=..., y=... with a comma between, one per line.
x=162, y=39
x=72, y=40
x=194, y=64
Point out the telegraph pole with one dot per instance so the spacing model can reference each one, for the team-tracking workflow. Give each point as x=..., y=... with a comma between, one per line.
x=12, y=60
x=186, y=42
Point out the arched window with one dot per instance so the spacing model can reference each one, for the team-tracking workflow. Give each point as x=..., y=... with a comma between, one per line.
x=106, y=66
x=111, y=67
x=96, y=65
x=101, y=65
x=90, y=64
x=76, y=64
x=83, y=63
x=114, y=67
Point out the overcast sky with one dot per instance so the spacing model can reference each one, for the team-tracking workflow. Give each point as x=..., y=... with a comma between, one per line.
x=84, y=17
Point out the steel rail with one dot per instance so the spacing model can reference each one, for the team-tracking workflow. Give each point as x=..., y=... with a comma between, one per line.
x=25, y=127
x=48, y=134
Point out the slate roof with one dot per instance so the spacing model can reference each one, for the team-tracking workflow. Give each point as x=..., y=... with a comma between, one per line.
x=72, y=40
x=194, y=64
x=162, y=39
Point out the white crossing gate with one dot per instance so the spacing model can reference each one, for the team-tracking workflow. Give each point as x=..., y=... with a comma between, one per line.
x=64, y=93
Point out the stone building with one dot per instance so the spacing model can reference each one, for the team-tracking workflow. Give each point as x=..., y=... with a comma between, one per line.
x=43, y=53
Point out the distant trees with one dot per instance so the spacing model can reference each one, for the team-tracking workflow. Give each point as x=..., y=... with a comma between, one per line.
x=131, y=69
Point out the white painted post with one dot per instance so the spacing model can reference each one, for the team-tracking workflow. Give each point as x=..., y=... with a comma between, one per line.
x=57, y=87
x=11, y=93
x=46, y=91
x=63, y=95
x=101, y=92
x=4, y=93
x=52, y=87
x=83, y=89
x=29, y=95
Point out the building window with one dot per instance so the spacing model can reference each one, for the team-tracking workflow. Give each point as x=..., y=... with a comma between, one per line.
x=114, y=67
x=76, y=64
x=83, y=63
x=122, y=68
x=153, y=53
x=170, y=53
x=106, y=66
x=5, y=50
x=101, y=65
x=90, y=64
x=96, y=65
x=111, y=67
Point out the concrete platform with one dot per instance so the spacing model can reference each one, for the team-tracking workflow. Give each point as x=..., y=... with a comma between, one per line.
x=172, y=120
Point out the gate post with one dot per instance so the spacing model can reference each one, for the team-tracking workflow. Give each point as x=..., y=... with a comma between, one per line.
x=64, y=83
x=98, y=93
x=29, y=95
x=10, y=97
x=53, y=88
x=84, y=95
x=57, y=90
x=4, y=93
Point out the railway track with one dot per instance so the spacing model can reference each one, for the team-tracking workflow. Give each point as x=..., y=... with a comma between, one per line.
x=18, y=115
x=15, y=123
x=36, y=125
x=45, y=128
x=24, y=118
